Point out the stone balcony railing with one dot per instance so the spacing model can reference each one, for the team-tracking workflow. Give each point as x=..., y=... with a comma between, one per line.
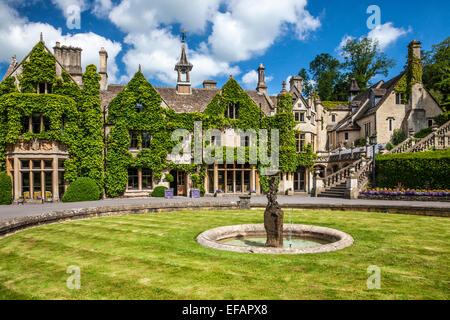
x=439, y=139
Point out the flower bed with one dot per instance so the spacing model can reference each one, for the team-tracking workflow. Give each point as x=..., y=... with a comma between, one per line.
x=408, y=194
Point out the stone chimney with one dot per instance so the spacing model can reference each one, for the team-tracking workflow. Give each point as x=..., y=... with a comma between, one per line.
x=209, y=84
x=297, y=82
x=416, y=105
x=103, y=69
x=262, y=87
x=353, y=90
x=70, y=59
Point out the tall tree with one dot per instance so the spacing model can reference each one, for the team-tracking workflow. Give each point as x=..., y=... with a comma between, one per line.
x=363, y=59
x=436, y=72
x=325, y=72
x=307, y=86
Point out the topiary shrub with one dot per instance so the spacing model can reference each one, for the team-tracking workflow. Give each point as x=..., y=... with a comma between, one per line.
x=158, y=192
x=82, y=189
x=389, y=146
x=169, y=178
x=5, y=188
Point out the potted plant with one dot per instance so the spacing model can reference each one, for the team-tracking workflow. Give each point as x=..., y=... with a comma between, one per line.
x=196, y=182
x=168, y=193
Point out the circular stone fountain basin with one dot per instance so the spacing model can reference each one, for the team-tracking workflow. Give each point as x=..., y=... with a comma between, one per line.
x=298, y=239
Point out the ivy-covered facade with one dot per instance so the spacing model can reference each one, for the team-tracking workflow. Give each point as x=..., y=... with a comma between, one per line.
x=58, y=124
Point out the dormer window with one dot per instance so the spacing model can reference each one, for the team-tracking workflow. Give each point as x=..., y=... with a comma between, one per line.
x=333, y=118
x=139, y=107
x=400, y=98
x=43, y=88
x=232, y=111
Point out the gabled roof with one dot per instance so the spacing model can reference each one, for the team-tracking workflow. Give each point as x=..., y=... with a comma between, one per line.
x=11, y=68
x=17, y=65
x=195, y=102
x=384, y=90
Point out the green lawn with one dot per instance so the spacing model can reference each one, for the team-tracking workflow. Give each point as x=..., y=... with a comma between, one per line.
x=155, y=256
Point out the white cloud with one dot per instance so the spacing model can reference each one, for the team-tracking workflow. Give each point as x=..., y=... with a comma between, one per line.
x=143, y=15
x=159, y=51
x=237, y=34
x=102, y=8
x=240, y=33
x=250, y=79
x=387, y=34
x=18, y=35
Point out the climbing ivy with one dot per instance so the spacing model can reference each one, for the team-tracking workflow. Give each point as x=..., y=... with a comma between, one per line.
x=39, y=67
x=8, y=86
x=412, y=75
x=74, y=114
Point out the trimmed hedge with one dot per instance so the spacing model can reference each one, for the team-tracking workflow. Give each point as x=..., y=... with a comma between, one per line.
x=159, y=192
x=414, y=170
x=5, y=188
x=82, y=189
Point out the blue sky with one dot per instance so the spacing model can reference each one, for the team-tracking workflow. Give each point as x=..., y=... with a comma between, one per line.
x=224, y=37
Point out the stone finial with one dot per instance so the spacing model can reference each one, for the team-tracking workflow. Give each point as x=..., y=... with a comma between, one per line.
x=283, y=91
x=140, y=68
x=41, y=38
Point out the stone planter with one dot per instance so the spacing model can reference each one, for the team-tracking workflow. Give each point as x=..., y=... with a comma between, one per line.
x=168, y=194
x=244, y=202
x=195, y=193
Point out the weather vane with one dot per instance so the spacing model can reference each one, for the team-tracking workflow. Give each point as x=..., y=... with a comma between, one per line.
x=183, y=35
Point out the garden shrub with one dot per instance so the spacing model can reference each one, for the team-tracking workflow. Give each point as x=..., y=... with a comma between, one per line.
x=5, y=188
x=414, y=170
x=423, y=133
x=441, y=119
x=82, y=189
x=389, y=146
x=398, y=137
x=158, y=192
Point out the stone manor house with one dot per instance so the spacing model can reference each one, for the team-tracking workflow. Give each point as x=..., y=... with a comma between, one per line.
x=37, y=169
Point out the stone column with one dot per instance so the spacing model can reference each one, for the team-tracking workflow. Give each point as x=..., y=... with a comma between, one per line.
x=253, y=180
x=140, y=179
x=317, y=183
x=258, y=186
x=352, y=191
x=17, y=182
x=216, y=178
x=55, y=180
